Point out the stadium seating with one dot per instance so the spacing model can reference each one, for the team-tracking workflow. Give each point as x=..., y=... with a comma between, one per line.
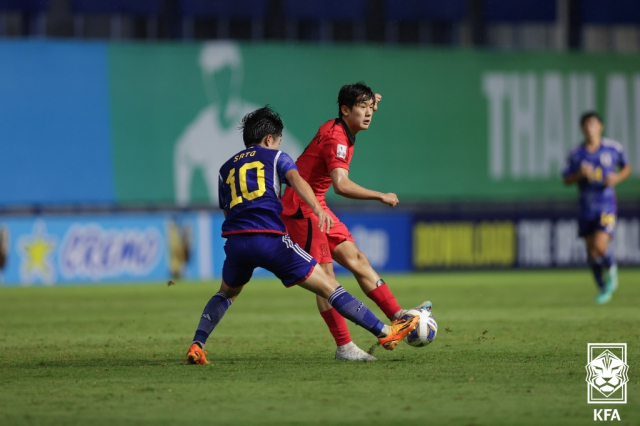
x=35, y=9
x=323, y=14
x=609, y=12
x=252, y=10
x=34, y=6
x=116, y=8
x=610, y=25
x=423, y=12
x=593, y=25
x=522, y=24
x=510, y=11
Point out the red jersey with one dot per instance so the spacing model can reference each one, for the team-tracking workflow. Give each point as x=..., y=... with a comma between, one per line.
x=332, y=147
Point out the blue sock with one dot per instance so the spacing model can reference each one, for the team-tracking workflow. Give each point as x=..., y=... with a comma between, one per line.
x=596, y=268
x=608, y=260
x=211, y=316
x=355, y=311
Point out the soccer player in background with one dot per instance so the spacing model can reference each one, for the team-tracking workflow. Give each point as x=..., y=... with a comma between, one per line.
x=597, y=165
x=323, y=163
x=249, y=194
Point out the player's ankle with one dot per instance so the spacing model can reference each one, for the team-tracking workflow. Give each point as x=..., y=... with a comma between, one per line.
x=398, y=315
x=385, y=331
x=347, y=345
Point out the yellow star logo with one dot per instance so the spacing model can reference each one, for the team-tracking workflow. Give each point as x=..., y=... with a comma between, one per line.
x=36, y=252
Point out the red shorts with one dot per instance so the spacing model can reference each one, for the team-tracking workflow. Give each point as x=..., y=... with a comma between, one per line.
x=306, y=233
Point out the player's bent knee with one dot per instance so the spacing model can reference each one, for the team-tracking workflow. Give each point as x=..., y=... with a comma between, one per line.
x=358, y=262
x=328, y=269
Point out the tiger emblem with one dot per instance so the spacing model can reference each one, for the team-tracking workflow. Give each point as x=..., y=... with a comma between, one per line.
x=607, y=373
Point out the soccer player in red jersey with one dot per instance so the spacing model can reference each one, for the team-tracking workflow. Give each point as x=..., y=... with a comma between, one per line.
x=323, y=163
x=249, y=195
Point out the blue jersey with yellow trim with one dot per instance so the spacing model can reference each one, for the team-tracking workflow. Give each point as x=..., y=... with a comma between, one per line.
x=249, y=190
x=595, y=197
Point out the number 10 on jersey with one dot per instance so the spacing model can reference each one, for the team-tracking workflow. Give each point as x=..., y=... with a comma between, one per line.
x=244, y=188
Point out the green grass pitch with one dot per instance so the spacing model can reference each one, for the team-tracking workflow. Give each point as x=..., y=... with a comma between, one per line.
x=511, y=349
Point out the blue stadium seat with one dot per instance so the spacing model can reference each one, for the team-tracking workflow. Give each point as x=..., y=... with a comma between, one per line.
x=243, y=9
x=338, y=10
x=223, y=11
x=116, y=7
x=149, y=9
x=305, y=9
x=512, y=11
x=443, y=10
x=34, y=9
x=92, y=7
x=324, y=13
x=32, y=6
x=610, y=12
x=427, y=13
x=140, y=7
x=425, y=10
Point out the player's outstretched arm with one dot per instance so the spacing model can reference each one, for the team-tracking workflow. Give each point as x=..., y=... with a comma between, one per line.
x=345, y=187
x=302, y=188
x=613, y=179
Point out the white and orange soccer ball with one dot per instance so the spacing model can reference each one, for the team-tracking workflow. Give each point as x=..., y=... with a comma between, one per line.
x=425, y=331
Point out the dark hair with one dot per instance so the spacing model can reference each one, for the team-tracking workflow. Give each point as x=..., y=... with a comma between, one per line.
x=260, y=123
x=589, y=114
x=352, y=94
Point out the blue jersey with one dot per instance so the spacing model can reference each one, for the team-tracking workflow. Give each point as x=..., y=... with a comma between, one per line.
x=595, y=197
x=249, y=190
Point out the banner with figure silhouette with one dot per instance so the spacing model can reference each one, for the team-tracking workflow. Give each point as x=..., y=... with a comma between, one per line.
x=139, y=123
x=452, y=125
x=176, y=112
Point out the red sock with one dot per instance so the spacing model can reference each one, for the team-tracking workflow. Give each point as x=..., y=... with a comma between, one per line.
x=385, y=300
x=337, y=326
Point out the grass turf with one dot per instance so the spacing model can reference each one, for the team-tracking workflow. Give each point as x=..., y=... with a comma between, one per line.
x=511, y=349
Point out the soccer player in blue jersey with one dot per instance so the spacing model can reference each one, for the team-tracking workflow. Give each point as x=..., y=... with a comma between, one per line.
x=597, y=165
x=249, y=194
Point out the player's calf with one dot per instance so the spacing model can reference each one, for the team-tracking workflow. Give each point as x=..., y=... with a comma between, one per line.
x=351, y=308
x=211, y=316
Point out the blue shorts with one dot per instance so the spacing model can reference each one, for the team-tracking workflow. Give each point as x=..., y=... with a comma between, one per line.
x=273, y=252
x=588, y=226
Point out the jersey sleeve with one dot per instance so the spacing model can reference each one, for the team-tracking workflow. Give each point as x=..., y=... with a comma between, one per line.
x=571, y=166
x=622, y=159
x=283, y=165
x=221, y=202
x=335, y=154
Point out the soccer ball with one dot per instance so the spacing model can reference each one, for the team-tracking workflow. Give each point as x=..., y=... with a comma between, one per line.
x=425, y=331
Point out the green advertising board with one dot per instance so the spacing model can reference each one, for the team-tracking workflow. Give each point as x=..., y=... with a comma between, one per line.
x=452, y=125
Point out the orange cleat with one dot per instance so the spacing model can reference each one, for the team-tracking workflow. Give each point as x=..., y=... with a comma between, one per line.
x=398, y=330
x=196, y=355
